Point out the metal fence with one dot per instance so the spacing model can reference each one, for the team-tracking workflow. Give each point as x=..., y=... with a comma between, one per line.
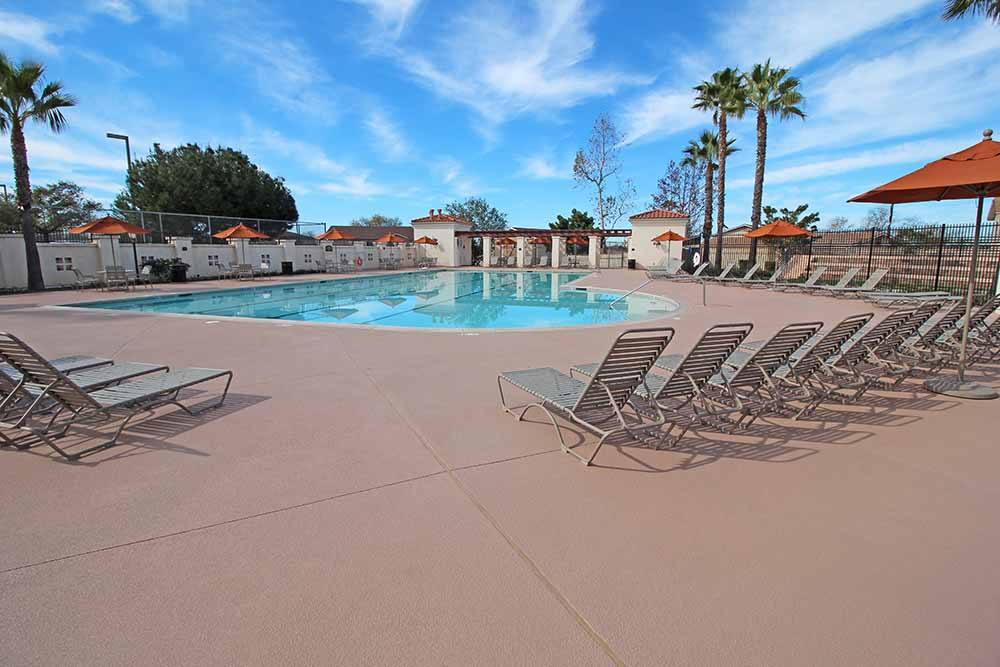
x=163, y=225
x=917, y=258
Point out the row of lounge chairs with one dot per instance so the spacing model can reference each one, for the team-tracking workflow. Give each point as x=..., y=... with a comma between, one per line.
x=41, y=400
x=723, y=381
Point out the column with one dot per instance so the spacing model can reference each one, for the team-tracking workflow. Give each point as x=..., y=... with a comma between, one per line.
x=557, y=251
x=110, y=251
x=487, y=251
x=290, y=253
x=487, y=287
x=595, y=250
x=519, y=294
x=521, y=259
x=554, y=285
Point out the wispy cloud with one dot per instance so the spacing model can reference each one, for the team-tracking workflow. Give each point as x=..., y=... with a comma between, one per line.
x=60, y=153
x=122, y=10
x=108, y=66
x=388, y=138
x=456, y=180
x=170, y=11
x=502, y=64
x=354, y=184
x=30, y=31
x=391, y=16
x=541, y=166
x=658, y=113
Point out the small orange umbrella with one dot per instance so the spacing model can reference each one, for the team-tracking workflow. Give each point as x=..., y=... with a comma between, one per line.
x=971, y=173
x=779, y=229
x=506, y=241
x=111, y=226
x=241, y=232
x=537, y=240
x=391, y=238
x=669, y=236
x=426, y=240
x=334, y=235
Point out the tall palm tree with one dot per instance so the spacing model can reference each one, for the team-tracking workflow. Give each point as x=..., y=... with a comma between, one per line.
x=772, y=93
x=725, y=96
x=955, y=9
x=23, y=98
x=705, y=151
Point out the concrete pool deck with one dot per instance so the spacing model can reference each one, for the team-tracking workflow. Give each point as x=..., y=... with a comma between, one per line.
x=362, y=499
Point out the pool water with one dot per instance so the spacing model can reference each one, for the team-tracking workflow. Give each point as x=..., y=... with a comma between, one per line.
x=425, y=299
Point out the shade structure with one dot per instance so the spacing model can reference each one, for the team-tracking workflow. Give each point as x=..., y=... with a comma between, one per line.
x=669, y=236
x=391, y=238
x=243, y=233
x=426, y=240
x=112, y=226
x=971, y=173
x=779, y=229
x=334, y=235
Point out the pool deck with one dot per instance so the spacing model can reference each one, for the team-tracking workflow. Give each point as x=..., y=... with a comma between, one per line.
x=362, y=499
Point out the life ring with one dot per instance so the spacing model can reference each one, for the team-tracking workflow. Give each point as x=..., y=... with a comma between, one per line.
x=358, y=261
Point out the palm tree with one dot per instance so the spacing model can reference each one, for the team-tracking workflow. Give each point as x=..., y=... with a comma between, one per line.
x=772, y=93
x=705, y=151
x=21, y=101
x=955, y=9
x=725, y=96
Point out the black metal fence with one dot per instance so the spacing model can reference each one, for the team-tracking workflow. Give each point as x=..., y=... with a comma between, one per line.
x=931, y=258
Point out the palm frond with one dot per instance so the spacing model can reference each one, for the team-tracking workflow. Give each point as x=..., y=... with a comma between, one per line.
x=956, y=9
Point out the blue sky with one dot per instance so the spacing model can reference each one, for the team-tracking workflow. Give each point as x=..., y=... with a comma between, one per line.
x=397, y=106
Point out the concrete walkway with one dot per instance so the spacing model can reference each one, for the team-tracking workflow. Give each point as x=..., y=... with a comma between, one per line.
x=361, y=499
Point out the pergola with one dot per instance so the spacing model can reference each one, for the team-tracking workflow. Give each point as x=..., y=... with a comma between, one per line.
x=556, y=238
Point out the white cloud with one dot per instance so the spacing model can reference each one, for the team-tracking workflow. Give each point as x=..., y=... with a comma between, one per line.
x=905, y=153
x=62, y=153
x=658, y=113
x=790, y=32
x=170, y=11
x=541, y=167
x=107, y=66
x=387, y=136
x=161, y=57
x=501, y=63
x=354, y=184
x=391, y=15
x=121, y=10
x=28, y=30
x=453, y=176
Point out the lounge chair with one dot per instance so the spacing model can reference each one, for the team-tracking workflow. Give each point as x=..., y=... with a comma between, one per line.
x=85, y=280
x=687, y=375
x=890, y=299
x=811, y=280
x=596, y=405
x=844, y=280
x=145, y=276
x=264, y=270
x=671, y=270
x=122, y=402
x=928, y=349
x=243, y=272
x=770, y=281
x=686, y=277
x=984, y=338
x=889, y=359
x=723, y=275
x=746, y=277
x=867, y=286
x=115, y=277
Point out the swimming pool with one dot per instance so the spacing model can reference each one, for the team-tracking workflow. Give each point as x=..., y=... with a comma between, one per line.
x=424, y=299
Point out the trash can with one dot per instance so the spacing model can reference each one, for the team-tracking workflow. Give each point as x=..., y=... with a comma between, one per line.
x=631, y=264
x=178, y=273
x=286, y=269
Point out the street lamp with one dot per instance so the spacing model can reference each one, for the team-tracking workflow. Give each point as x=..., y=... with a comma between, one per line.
x=128, y=150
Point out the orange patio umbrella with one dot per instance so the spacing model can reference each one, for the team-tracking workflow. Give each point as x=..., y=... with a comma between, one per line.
x=669, y=236
x=779, y=229
x=392, y=238
x=426, y=240
x=506, y=241
x=971, y=173
x=537, y=240
x=241, y=232
x=334, y=235
x=111, y=226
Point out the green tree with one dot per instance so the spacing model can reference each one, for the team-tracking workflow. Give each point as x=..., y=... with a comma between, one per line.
x=377, y=220
x=23, y=98
x=726, y=97
x=772, y=92
x=797, y=216
x=61, y=205
x=479, y=212
x=954, y=9
x=576, y=220
x=705, y=151
x=210, y=181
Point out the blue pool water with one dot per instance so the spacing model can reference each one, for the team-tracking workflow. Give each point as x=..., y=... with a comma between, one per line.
x=428, y=299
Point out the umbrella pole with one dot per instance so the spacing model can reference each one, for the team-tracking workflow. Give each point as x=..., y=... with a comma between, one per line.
x=135, y=257
x=959, y=388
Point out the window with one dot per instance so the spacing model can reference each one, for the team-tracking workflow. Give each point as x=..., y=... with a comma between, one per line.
x=145, y=259
x=307, y=258
x=64, y=263
x=265, y=257
x=213, y=260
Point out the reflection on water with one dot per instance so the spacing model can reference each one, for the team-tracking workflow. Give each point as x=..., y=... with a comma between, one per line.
x=442, y=299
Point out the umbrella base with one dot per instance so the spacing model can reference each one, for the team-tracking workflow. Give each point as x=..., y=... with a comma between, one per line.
x=951, y=386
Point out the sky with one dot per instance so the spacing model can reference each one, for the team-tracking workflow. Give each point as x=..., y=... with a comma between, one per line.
x=399, y=106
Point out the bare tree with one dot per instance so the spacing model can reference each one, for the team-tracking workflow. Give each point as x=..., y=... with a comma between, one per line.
x=598, y=165
x=837, y=223
x=682, y=189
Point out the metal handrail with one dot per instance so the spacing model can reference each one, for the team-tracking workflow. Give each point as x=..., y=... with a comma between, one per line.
x=612, y=304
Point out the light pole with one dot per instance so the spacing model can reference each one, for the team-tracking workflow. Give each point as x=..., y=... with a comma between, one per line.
x=128, y=150
x=128, y=159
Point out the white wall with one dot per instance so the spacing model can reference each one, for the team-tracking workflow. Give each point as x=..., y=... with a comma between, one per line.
x=647, y=254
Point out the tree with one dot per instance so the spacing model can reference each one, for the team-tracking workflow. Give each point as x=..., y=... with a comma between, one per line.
x=210, y=181
x=837, y=223
x=772, y=93
x=23, y=98
x=682, y=189
x=377, y=220
x=61, y=205
x=704, y=153
x=955, y=9
x=797, y=216
x=876, y=218
x=725, y=96
x=598, y=165
x=479, y=212
x=576, y=220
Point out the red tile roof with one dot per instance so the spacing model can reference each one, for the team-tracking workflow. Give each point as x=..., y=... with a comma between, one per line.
x=441, y=217
x=657, y=214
